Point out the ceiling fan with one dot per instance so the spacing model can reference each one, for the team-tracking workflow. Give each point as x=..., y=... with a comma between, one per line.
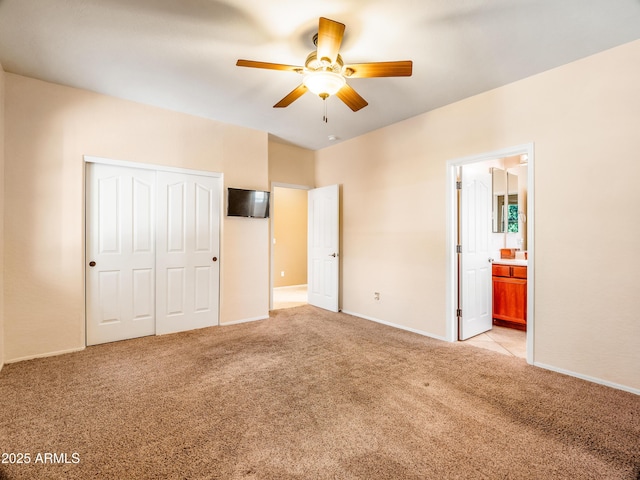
x=325, y=73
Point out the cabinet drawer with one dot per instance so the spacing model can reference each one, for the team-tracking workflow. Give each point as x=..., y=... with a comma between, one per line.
x=519, y=272
x=498, y=270
x=501, y=270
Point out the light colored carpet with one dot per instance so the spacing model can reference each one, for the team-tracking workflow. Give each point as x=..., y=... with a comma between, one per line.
x=309, y=394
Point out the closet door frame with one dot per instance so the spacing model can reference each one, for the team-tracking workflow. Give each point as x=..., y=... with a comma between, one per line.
x=88, y=159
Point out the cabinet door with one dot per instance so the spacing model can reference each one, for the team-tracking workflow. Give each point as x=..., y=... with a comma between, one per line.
x=510, y=299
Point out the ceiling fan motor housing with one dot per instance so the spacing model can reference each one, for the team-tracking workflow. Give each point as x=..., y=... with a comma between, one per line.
x=314, y=64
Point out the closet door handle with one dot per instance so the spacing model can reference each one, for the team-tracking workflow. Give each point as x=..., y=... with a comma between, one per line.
x=92, y=263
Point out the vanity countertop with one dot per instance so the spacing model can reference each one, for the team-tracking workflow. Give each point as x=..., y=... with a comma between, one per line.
x=511, y=261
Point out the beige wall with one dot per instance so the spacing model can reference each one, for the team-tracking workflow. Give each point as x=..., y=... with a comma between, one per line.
x=290, y=236
x=2, y=76
x=291, y=165
x=583, y=119
x=48, y=130
x=244, y=286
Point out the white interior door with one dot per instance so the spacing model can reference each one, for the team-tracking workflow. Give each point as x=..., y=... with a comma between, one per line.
x=323, y=252
x=475, y=264
x=188, y=245
x=120, y=270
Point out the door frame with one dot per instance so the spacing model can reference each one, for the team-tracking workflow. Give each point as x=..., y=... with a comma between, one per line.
x=452, y=280
x=272, y=232
x=88, y=159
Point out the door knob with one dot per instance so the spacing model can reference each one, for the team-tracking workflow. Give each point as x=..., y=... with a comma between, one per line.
x=334, y=255
x=215, y=259
x=92, y=263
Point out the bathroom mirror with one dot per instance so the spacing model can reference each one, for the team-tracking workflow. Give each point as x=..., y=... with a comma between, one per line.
x=505, y=201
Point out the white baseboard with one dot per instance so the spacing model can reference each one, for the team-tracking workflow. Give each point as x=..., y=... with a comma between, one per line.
x=588, y=378
x=395, y=325
x=43, y=355
x=244, y=320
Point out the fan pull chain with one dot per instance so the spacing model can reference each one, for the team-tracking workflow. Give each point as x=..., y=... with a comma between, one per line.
x=324, y=97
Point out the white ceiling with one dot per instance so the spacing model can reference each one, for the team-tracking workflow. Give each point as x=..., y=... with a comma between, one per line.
x=181, y=54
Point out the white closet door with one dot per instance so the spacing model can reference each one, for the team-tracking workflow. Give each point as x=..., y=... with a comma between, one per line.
x=120, y=272
x=187, y=266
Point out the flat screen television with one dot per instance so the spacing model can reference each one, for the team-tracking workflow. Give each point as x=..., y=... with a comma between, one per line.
x=247, y=203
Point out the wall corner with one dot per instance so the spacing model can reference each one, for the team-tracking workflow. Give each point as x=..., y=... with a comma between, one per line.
x=2, y=149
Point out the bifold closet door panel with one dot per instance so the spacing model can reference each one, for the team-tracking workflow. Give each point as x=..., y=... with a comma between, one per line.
x=188, y=243
x=120, y=253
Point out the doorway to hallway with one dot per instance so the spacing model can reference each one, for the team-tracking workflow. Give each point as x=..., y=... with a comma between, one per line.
x=288, y=245
x=305, y=232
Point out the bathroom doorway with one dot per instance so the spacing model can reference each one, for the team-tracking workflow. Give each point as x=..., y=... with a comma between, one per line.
x=494, y=338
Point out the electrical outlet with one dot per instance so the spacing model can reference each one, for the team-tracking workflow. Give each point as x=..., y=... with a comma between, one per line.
x=282, y=273
x=376, y=296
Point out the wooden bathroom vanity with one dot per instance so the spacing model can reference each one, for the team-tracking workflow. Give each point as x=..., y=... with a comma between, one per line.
x=510, y=295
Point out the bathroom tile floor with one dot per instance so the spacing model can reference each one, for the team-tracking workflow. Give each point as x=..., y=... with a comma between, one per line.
x=507, y=341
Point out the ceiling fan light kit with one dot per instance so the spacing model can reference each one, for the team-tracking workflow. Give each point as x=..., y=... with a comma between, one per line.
x=323, y=82
x=324, y=72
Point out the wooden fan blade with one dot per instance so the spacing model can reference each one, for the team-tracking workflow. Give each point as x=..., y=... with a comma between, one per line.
x=269, y=66
x=295, y=94
x=403, y=68
x=352, y=98
x=330, y=35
